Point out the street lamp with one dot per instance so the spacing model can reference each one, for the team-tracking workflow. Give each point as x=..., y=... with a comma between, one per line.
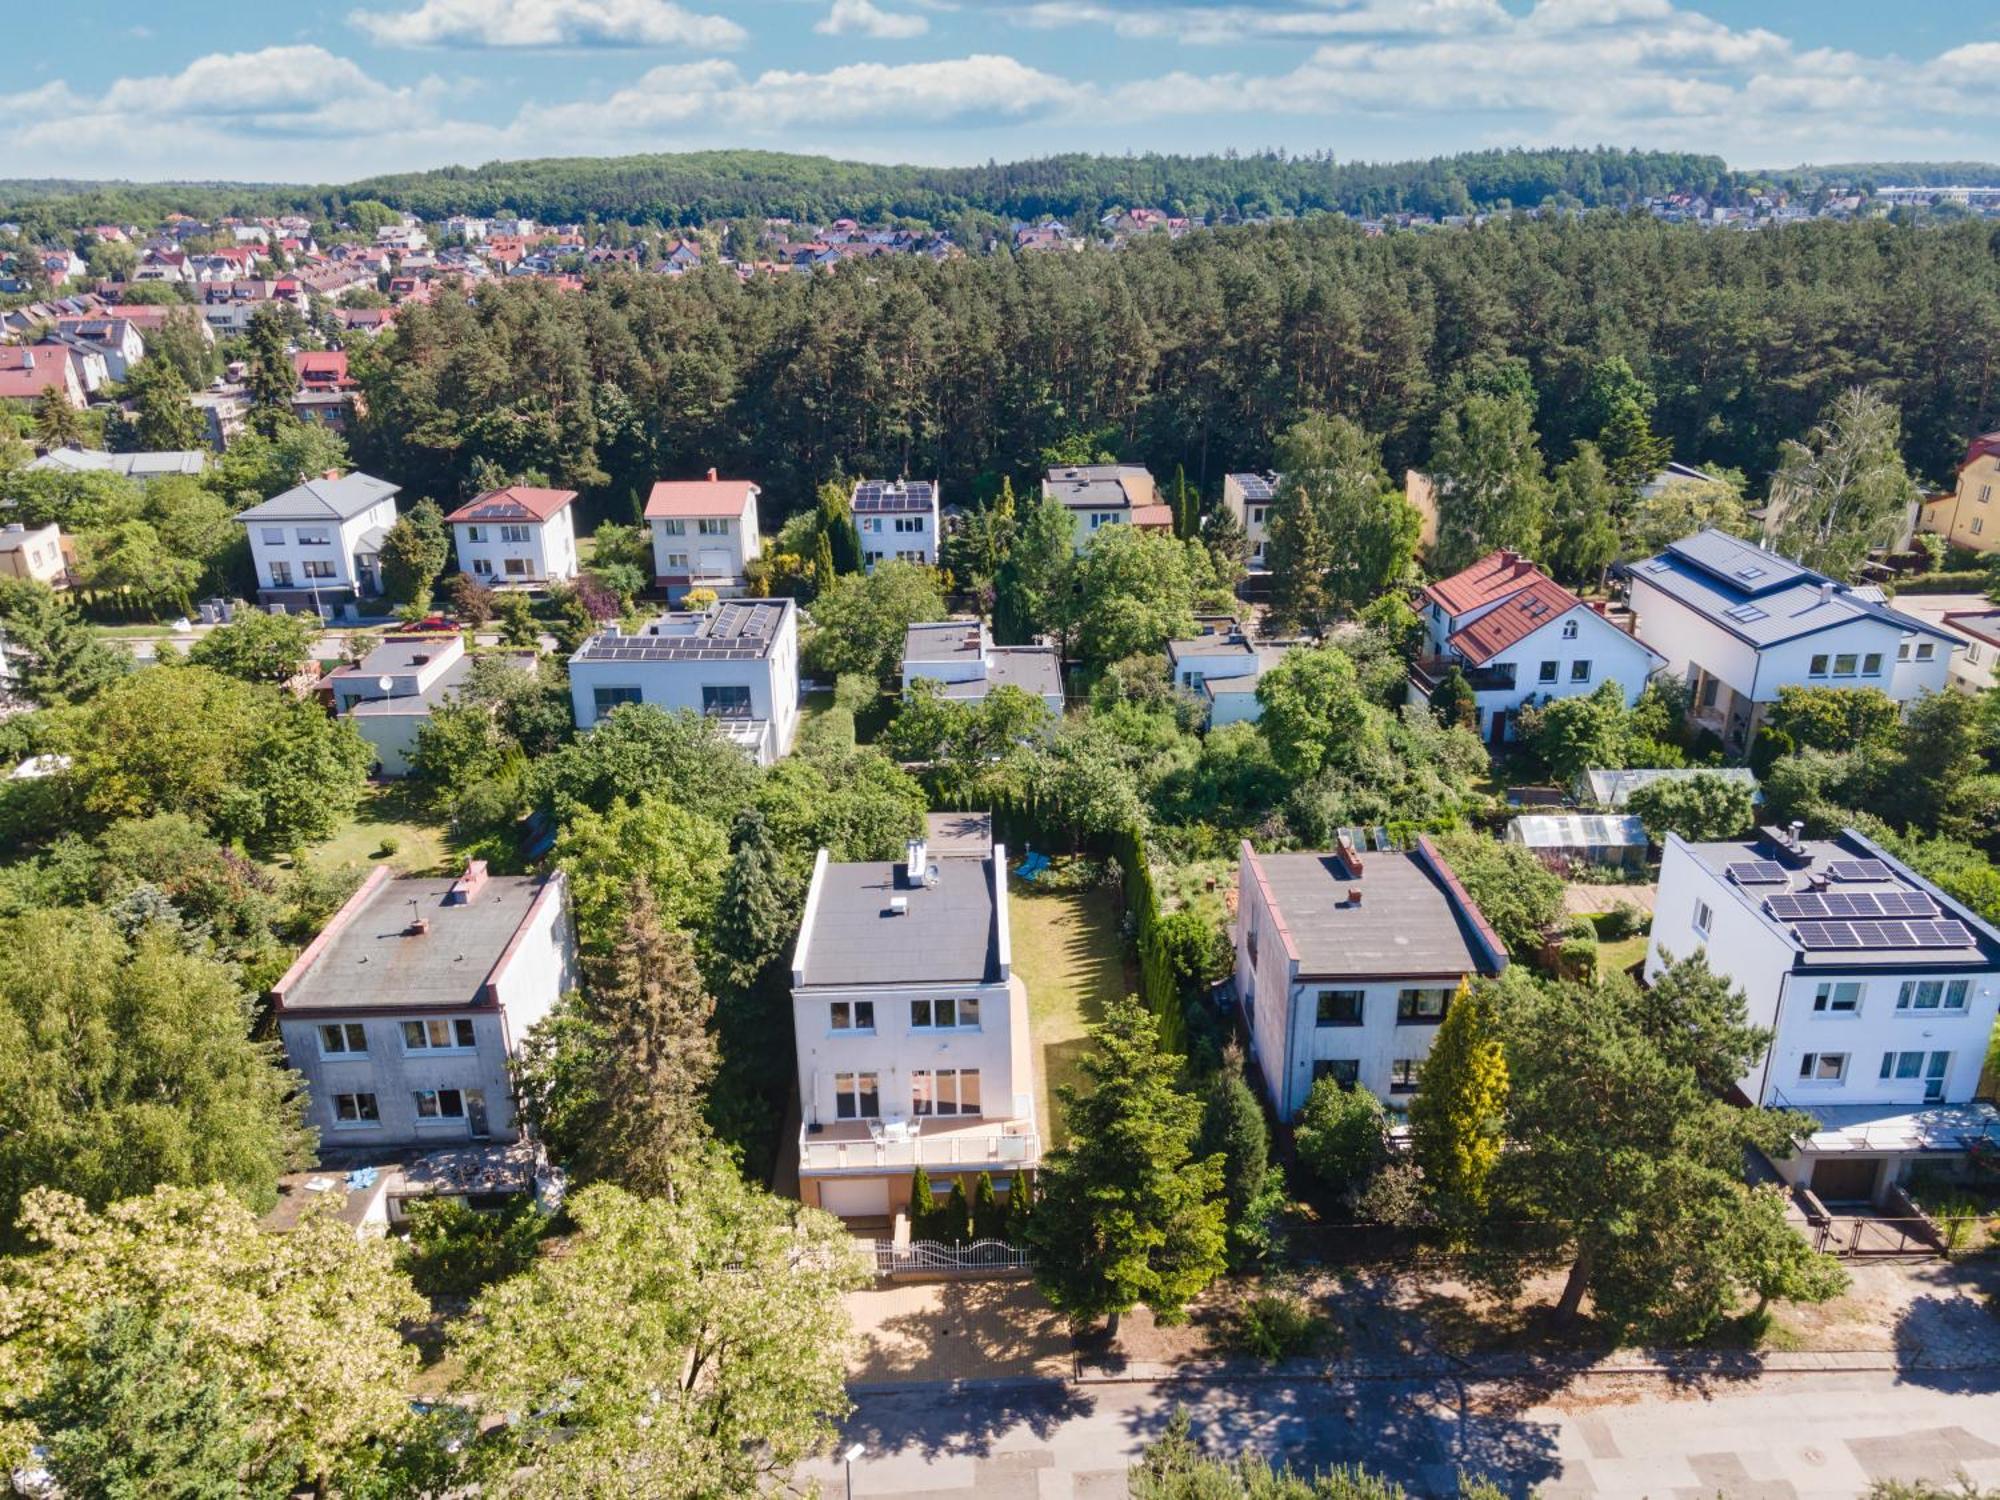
x=848, y=1457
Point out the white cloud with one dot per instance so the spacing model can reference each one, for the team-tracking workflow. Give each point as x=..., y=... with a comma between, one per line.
x=549, y=23
x=865, y=18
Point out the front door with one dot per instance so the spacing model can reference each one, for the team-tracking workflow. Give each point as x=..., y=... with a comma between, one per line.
x=475, y=1113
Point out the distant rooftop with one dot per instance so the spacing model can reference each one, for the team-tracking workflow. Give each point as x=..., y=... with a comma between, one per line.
x=1614, y=788
x=686, y=499
x=131, y=465
x=1256, y=486
x=737, y=630
x=1086, y=485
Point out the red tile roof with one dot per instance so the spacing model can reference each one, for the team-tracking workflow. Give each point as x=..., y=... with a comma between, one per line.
x=1515, y=619
x=699, y=497
x=1493, y=577
x=518, y=502
x=1153, y=515
x=1986, y=446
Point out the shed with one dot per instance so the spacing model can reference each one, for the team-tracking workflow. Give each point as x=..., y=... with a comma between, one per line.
x=1584, y=838
x=1609, y=790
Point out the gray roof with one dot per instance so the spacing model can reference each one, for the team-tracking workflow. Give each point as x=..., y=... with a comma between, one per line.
x=954, y=835
x=373, y=959
x=324, y=499
x=131, y=465
x=1210, y=646
x=949, y=934
x=1087, y=485
x=738, y=630
x=946, y=640
x=1758, y=596
x=1408, y=924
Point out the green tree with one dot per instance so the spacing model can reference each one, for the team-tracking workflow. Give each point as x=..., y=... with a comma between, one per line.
x=1703, y=807
x=1126, y=1213
x=859, y=624
x=1619, y=406
x=1300, y=555
x=272, y=379
x=1581, y=538
x=1488, y=473
x=989, y=1219
x=1341, y=1134
x=56, y=658
x=1834, y=718
x=692, y=1345
x=1459, y=1112
x=641, y=750
x=258, y=647
x=1844, y=491
x=1518, y=894
x=164, y=416
x=1032, y=590
x=57, y=423
x=836, y=525
x=1233, y=1128
x=1363, y=529
x=126, y=1063
x=1574, y=735
x=755, y=917
x=1453, y=703
x=414, y=554
x=1312, y=710
x=680, y=854
x=1134, y=591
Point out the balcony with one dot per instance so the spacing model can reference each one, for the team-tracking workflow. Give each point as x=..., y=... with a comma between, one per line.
x=960, y=1144
x=1428, y=671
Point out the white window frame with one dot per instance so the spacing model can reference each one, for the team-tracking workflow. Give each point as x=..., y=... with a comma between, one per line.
x=848, y=1100
x=673, y=526
x=929, y=1088
x=349, y=1040
x=1549, y=672
x=1839, y=997
x=1569, y=630
x=930, y=1012
x=1403, y=1073
x=458, y=1031
x=712, y=526
x=515, y=533
x=359, y=1116
x=1579, y=671
x=1704, y=917
x=1949, y=997
x=433, y=1105
x=1813, y=1064
x=854, y=1017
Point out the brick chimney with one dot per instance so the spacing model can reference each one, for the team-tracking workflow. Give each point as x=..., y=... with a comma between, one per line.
x=465, y=890
x=1351, y=858
x=711, y=476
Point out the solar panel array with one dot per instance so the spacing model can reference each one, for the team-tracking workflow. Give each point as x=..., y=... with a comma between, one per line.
x=1809, y=906
x=1862, y=935
x=1757, y=872
x=737, y=631
x=875, y=495
x=1858, y=869
x=1256, y=486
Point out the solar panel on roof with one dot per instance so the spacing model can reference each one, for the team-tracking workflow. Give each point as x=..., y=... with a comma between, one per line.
x=1805, y=906
x=1858, y=869
x=1757, y=872
x=1827, y=935
x=1945, y=934
x=1906, y=904
x=1884, y=935
x=1852, y=904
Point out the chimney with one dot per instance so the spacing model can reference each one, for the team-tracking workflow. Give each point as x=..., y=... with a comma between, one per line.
x=1825, y=590
x=1354, y=895
x=465, y=890
x=1798, y=830
x=331, y=474
x=1350, y=857
x=711, y=476
x=418, y=927
x=915, y=856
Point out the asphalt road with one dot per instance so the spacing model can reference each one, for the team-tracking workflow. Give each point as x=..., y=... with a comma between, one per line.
x=1779, y=1437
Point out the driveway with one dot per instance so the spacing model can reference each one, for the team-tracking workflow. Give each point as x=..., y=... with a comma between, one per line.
x=1783, y=1437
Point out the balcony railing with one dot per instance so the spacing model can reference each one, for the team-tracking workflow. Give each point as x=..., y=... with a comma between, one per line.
x=998, y=1147
x=1430, y=670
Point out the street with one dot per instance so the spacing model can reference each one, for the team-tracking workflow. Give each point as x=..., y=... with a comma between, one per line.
x=1777, y=1437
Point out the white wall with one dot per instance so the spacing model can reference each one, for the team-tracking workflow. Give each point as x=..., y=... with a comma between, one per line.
x=708, y=556
x=896, y=1049
x=339, y=551
x=542, y=966
x=1233, y=703
x=773, y=680
x=1252, y=518
x=546, y=554
x=1263, y=982
x=1612, y=654
x=881, y=541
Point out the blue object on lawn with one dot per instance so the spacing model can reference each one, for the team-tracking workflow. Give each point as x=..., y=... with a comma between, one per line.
x=1032, y=866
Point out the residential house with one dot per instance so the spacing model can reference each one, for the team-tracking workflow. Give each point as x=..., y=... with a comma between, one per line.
x=911, y=1030
x=389, y=695
x=1100, y=495
x=1736, y=623
x=896, y=519
x=1420, y=494
x=26, y=370
x=1248, y=498
x=704, y=531
x=1965, y=516
x=1347, y=961
x=517, y=537
x=959, y=655
x=117, y=340
x=320, y=542
x=35, y=554
x=403, y=1016
x=465, y=227
x=737, y=663
x=681, y=256
x=1223, y=670
x=323, y=370
x=1521, y=638
x=1879, y=991
x=224, y=413
x=141, y=466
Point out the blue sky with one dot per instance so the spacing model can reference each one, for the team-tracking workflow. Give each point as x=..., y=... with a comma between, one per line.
x=326, y=92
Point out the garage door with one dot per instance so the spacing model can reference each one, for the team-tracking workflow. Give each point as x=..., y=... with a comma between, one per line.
x=867, y=1198
x=1846, y=1179
x=713, y=562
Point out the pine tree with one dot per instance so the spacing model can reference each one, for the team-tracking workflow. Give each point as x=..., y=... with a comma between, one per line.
x=57, y=423
x=1187, y=518
x=1020, y=1205
x=1457, y=1116
x=957, y=1214
x=923, y=1212
x=823, y=572
x=989, y=1220
x=1127, y=1213
x=1299, y=553
x=661, y=1056
x=753, y=918
x=273, y=378
x=836, y=526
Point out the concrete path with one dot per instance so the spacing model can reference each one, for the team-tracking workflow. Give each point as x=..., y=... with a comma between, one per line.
x=1794, y=1436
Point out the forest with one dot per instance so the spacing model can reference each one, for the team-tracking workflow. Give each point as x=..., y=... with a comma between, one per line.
x=1190, y=355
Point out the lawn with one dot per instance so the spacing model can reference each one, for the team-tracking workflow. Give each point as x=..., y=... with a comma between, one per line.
x=1068, y=953
x=386, y=814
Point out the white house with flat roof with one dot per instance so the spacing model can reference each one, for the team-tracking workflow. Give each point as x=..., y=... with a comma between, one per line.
x=737, y=663
x=960, y=657
x=1248, y=497
x=1736, y=623
x=1223, y=670
x=896, y=519
x=520, y=537
x=704, y=531
x=1347, y=961
x=319, y=543
x=1100, y=495
x=403, y=1015
x=1880, y=991
x=390, y=694
x=911, y=1029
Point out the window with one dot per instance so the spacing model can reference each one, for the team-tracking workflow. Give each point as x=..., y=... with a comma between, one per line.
x=439, y=1104
x=513, y=533
x=1818, y=666
x=853, y=1015
x=944, y=1091
x=677, y=562
x=453, y=1032
x=314, y=537
x=909, y=523
x=482, y=567
x=1569, y=630
x=281, y=575
x=604, y=699
x=355, y=1109
x=1871, y=664
x=1339, y=1008
x=1403, y=1075
x=712, y=526
x=1844, y=664
x=274, y=536
x=730, y=701
x=1256, y=515
x=856, y=1096
x=1926, y=650
x=517, y=567
x=1903, y=651
x=1421, y=1006
x=1838, y=997
x=1932, y=994
x=1935, y=1074
x=674, y=528
x=1345, y=1071
x=1579, y=671
x=1978, y=525
x=1902, y=1065
x=1823, y=1067
x=944, y=1015
x=318, y=567
x=871, y=523
x=1985, y=493
x=1702, y=917
x=904, y=554
x=1972, y=653
x=1549, y=671
x=343, y=1039
x=474, y=534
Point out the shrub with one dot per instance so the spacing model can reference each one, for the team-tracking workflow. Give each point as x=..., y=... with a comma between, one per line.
x=388, y=847
x=956, y=1216
x=1624, y=920
x=1340, y=1134
x=454, y=1251
x=1394, y=1195
x=1276, y=1324
x=697, y=600
x=1576, y=957
x=854, y=691
x=989, y=1219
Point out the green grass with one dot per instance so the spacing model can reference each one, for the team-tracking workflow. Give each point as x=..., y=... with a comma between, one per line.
x=1068, y=953
x=1613, y=958
x=134, y=632
x=385, y=813
x=1187, y=885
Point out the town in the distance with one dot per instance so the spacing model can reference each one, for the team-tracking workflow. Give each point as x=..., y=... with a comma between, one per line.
x=1194, y=847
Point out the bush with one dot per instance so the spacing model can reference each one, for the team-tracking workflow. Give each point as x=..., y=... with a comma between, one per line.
x=1394, y=1195
x=1576, y=957
x=1276, y=1324
x=1341, y=1134
x=854, y=692
x=1625, y=919
x=454, y=1251
x=989, y=1219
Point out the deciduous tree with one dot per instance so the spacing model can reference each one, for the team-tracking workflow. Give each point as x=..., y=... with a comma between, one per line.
x=1844, y=491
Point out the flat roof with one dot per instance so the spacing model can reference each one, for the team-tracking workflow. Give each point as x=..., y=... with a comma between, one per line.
x=132, y=465
x=737, y=630
x=958, y=835
x=960, y=639
x=367, y=956
x=949, y=933
x=1407, y=924
x=1613, y=788
x=883, y=497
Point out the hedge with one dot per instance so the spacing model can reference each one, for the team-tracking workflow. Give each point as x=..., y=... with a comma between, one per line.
x=1142, y=904
x=1965, y=581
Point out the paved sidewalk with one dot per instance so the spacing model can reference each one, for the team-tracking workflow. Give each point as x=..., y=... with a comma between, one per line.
x=920, y=1333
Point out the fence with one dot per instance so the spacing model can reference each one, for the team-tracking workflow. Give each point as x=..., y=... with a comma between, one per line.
x=934, y=1255
x=1860, y=1234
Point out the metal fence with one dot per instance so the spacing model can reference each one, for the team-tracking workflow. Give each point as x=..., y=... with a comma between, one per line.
x=935, y=1255
x=1853, y=1235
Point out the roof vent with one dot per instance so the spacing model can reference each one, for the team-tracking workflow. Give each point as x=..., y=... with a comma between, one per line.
x=1354, y=895
x=1825, y=590
x=418, y=927
x=899, y=906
